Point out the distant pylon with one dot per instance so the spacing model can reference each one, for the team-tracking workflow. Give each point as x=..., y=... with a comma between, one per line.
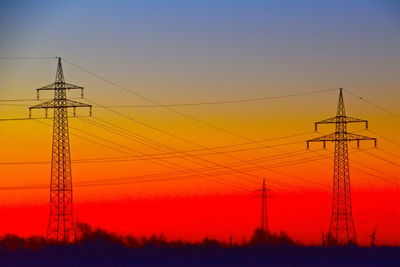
x=61, y=226
x=264, y=208
x=342, y=230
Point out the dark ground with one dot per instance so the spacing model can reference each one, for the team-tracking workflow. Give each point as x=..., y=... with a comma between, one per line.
x=97, y=247
x=109, y=254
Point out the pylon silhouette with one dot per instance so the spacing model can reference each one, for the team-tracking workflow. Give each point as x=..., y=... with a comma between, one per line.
x=342, y=230
x=61, y=226
x=264, y=208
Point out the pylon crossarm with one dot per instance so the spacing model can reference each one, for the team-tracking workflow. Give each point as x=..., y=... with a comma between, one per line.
x=340, y=119
x=54, y=104
x=59, y=86
x=341, y=137
x=60, y=104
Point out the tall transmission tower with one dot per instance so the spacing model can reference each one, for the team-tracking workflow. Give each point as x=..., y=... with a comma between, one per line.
x=61, y=226
x=342, y=230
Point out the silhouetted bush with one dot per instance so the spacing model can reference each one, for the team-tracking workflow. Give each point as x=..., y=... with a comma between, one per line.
x=14, y=242
x=261, y=237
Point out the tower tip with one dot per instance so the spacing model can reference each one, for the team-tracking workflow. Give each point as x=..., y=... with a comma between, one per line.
x=59, y=73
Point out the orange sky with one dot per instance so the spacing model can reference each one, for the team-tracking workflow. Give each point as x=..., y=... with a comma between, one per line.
x=193, y=207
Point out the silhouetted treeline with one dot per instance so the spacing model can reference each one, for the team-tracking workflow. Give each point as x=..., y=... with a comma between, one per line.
x=87, y=235
x=97, y=247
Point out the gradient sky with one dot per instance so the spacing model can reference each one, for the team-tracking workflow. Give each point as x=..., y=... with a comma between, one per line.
x=195, y=51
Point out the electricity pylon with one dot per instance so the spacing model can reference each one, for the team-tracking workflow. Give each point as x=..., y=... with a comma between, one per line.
x=61, y=226
x=264, y=209
x=342, y=230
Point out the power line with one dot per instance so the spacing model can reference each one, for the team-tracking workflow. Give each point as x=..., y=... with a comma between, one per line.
x=19, y=100
x=151, y=158
x=365, y=172
x=23, y=119
x=14, y=105
x=105, y=183
x=135, y=135
x=381, y=158
x=145, y=154
x=218, y=152
x=169, y=155
x=262, y=159
x=234, y=184
x=148, y=99
x=292, y=176
x=188, y=141
x=194, y=156
x=158, y=148
x=373, y=104
x=195, y=103
x=384, y=137
x=376, y=176
x=125, y=180
x=87, y=139
x=220, y=102
x=31, y=99
x=158, y=104
x=188, y=103
x=26, y=58
x=171, y=109
x=388, y=153
x=369, y=167
x=242, y=161
x=164, y=132
x=376, y=170
x=260, y=167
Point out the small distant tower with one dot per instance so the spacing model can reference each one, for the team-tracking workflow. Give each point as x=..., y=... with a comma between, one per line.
x=342, y=230
x=264, y=208
x=61, y=226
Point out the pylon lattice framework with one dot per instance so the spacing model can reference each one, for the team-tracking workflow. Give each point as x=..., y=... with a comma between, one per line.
x=61, y=226
x=264, y=208
x=342, y=230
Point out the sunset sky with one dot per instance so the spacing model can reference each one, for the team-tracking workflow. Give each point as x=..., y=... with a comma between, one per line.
x=202, y=51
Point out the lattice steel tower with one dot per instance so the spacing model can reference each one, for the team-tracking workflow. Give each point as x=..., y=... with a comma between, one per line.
x=342, y=230
x=61, y=226
x=264, y=207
